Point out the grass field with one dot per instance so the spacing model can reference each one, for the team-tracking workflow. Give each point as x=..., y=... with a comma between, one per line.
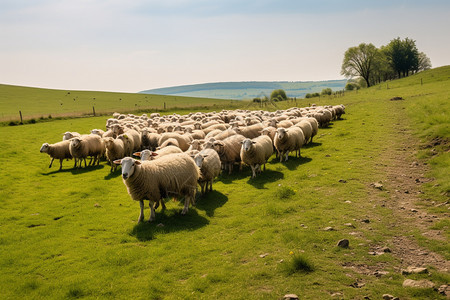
x=42, y=103
x=73, y=234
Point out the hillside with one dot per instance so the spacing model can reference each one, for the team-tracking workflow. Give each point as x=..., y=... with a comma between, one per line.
x=248, y=90
x=39, y=102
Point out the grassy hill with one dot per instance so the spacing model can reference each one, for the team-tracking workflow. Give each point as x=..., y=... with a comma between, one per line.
x=248, y=90
x=73, y=233
x=37, y=102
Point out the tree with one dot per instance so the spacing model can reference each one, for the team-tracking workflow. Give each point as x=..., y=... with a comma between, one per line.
x=403, y=56
x=424, y=62
x=278, y=95
x=358, y=61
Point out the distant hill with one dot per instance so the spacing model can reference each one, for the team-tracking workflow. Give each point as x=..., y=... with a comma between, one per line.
x=248, y=89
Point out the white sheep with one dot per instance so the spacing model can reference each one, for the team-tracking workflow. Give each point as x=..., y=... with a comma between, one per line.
x=128, y=143
x=255, y=152
x=229, y=151
x=306, y=128
x=89, y=145
x=287, y=140
x=183, y=140
x=251, y=131
x=115, y=149
x=151, y=155
x=209, y=163
x=59, y=150
x=68, y=135
x=98, y=132
x=174, y=174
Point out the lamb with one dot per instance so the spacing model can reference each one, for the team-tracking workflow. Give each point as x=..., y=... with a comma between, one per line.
x=58, y=150
x=209, y=163
x=174, y=174
x=287, y=140
x=89, y=145
x=68, y=135
x=251, y=131
x=256, y=152
x=115, y=149
x=229, y=151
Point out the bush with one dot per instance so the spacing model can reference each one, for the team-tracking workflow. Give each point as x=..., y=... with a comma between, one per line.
x=278, y=95
x=326, y=91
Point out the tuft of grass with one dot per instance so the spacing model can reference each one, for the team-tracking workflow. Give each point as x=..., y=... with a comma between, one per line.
x=298, y=264
x=285, y=192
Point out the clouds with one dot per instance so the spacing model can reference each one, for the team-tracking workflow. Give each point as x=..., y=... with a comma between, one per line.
x=135, y=45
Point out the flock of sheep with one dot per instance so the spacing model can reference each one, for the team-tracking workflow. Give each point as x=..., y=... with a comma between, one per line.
x=178, y=152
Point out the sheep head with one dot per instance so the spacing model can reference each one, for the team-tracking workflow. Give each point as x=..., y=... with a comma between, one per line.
x=128, y=166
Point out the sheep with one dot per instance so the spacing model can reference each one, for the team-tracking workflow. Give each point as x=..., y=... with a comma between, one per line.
x=197, y=134
x=213, y=133
x=220, y=127
x=287, y=140
x=315, y=127
x=251, y=131
x=169, y=142
x=89, y=145
x=68, y=135
x=183, y=140
x=224, y=134
x=255, y=152
x=229, y=151
x=209, y=163
x=115, y=149
x=136, y=136
x=151, y=155
x=340, y=110
x=306, y=128
x=59, y=150
x=128, y=143
x=174, y=174
x=98, y=132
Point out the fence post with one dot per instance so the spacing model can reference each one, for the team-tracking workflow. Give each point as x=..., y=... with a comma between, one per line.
x=164, y=105
x=93, y=110
x=21, y=120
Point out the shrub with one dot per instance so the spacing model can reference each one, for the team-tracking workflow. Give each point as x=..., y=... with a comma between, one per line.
x=298, y=264
x=278, y=95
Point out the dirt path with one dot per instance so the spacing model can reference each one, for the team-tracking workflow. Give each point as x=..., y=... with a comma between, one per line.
x=405, y=176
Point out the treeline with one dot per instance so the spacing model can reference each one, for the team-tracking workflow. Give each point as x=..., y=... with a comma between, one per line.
x=399, y=58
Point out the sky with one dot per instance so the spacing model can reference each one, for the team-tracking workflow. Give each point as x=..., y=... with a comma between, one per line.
x=135, y=45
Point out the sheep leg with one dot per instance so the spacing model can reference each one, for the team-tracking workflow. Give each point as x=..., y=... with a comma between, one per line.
x=84, y=163
x=60, y=164
x=210, y=185
x=141, y=215
x=152, y=212
x=253, y=171
x=202, y=186
x=163, y=204
x=186, y=205
x=51, y=162
x=287, y=155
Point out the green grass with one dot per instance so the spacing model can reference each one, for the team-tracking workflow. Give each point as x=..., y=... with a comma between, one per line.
x=73, y=234
x=36, y=103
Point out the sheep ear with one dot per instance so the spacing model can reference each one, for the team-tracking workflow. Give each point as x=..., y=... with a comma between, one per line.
x=137, y=162
x=117, y=162
x=137, y=154
x=253, y=142
x=205, y=155
x=154, y=154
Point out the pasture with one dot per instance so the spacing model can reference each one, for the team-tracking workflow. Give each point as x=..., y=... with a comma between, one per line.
x=73, y=233
x=36, y=103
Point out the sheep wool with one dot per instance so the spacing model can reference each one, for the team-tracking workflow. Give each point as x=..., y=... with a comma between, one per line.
x=58, y=150
x=174, y=174
x=287, y=140
x=209, y=163
x=256, y=152
x=115, y=149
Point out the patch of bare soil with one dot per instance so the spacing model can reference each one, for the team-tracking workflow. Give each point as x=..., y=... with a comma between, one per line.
x=405, y=177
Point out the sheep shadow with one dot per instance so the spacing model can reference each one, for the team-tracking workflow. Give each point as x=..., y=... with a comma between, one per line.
x=266, y=176
x=292, y=163
x=211, y=201
x=168, y=221
x=74, y=171
x=114, y=174
x=226, y=178
x=312, y=144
